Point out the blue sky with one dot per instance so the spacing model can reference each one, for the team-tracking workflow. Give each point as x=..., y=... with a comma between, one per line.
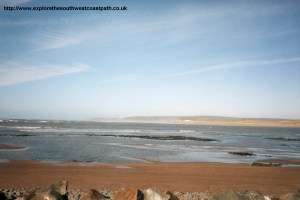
x=217, y=58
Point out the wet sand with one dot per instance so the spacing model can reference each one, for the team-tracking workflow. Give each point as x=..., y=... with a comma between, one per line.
x=4, y=146
x=193, y=177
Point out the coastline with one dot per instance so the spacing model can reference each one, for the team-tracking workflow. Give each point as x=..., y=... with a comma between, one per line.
x=185, y=177
x=209, y=121
x=281, y=124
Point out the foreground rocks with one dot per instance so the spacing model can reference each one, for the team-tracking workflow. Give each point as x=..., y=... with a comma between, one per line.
x=291, y=196
x=246, y=195
x=59, y=191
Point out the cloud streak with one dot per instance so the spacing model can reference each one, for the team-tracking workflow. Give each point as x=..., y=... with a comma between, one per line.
x=58, y=40
x=173, y=27
x=237, y=64
x=12, y=73
x=12, y=3
x=219, y=67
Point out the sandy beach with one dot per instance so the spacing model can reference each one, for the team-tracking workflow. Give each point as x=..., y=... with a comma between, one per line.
x=211, y=177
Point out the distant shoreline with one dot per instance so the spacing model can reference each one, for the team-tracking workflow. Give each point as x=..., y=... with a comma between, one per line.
x=206, y=120
x=188, y=120
x=249, y=123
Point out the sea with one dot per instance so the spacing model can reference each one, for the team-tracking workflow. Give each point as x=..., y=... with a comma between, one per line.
x=112, y=142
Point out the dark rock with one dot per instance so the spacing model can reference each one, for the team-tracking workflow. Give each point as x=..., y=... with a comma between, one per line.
x=176, y=137
x=242, y=153
x=2, y=196
x=129, y=194
x=262, y=164
x=24, y=135
x=297, y=195
x=172, y=196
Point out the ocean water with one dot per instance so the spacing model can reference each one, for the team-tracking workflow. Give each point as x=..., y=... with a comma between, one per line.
x=141, y=142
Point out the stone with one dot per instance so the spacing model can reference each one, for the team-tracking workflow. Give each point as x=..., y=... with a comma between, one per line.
x=254, y=195
x=60, y=187
x=27, y=195
x=297, y=195
x=242, y=153
x=92, y=195
x=289, y=196
x=57, y=191
x=267, y=198
x=47, y=195
x=172, y=196
x=2, y=196
x=245, y=195
x=193, y=195
x=129, y=194
x=262, y=164
x=230, y=195
x=152, y=194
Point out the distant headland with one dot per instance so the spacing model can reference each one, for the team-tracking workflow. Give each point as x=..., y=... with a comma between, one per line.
x=206, y=120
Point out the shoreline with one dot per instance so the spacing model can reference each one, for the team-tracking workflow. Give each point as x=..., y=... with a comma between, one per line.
x=184, y=177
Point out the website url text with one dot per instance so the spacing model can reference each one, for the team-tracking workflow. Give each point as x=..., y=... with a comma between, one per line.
x=64, y=8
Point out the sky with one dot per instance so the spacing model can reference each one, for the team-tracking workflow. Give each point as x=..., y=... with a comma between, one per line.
x=157, y=58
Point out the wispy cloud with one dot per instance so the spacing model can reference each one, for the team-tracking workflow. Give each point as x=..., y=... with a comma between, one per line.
x=172, y=27
x=13, y=2
x=57, y=40
x=12, y=73
x=218, y=67
x=237, y=64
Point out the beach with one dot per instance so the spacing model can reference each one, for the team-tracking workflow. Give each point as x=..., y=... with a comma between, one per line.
x=184, y=177
x=207, y=160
